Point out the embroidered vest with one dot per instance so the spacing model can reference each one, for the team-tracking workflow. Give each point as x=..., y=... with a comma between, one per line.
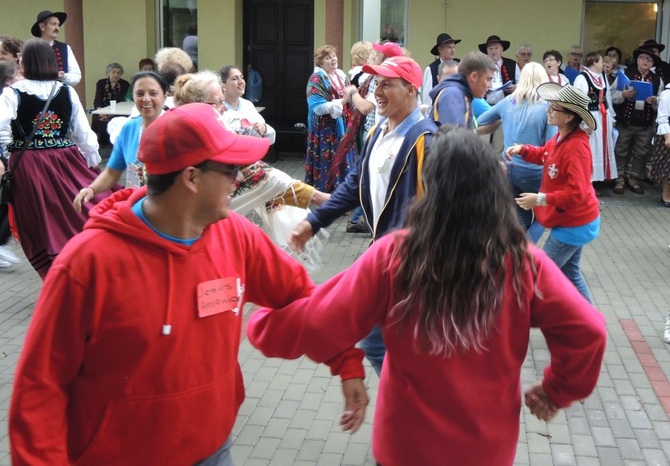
x=60, y=49
x=626, y=112
x=53, y=131
x=508, y=70
x=594, y=94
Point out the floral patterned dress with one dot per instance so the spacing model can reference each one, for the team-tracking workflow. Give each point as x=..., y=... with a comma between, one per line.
x=325, y=132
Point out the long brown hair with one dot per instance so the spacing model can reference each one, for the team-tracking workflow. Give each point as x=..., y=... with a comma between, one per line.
x=462, y=234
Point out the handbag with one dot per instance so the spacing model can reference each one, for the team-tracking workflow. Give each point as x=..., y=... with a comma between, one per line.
x=6, y=182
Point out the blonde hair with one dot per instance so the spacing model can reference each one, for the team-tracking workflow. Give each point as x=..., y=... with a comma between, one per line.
x=322, y=52
x=173, y=55
x=190, y=88
x=360, y=52
x=532, y=75
x=607, y=60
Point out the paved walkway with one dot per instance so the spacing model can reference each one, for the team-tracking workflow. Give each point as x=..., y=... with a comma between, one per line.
x=291, y=411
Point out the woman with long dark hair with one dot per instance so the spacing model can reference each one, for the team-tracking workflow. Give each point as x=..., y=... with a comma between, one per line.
x=455, y=294
x=61, y=157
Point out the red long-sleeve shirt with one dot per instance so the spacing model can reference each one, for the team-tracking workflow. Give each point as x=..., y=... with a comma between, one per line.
x=566, y=180
x=432, y=410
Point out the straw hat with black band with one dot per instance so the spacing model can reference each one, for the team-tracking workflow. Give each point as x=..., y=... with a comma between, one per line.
x=570, y=98
x=42, y=15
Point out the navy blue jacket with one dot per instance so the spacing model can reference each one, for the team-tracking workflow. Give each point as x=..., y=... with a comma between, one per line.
x=355, y=190
x=452, y=102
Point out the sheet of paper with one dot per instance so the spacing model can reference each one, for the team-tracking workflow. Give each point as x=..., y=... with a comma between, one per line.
x=132, y=178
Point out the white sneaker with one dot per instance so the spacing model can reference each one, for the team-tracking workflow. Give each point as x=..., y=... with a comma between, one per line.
x=666, y=336
x=4, y=264
x=7, y=255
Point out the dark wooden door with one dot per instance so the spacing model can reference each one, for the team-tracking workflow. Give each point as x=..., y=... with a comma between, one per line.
x=279, y=43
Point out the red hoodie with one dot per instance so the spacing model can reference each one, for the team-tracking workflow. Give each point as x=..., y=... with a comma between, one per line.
x=98, y=381
x=431, y=410
x=566, y=180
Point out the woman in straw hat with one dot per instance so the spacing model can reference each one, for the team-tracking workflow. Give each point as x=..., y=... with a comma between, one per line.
x=566, y=202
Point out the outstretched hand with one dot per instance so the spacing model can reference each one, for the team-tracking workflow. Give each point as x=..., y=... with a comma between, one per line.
x=298, y=238
x=539, y=403
x=355, y=402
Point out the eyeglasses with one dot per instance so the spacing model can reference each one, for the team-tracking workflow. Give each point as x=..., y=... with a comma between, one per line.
x=218, y=103
x=230, y=171
x=645, y=58
x=526, y=54
x=576, y=54
x=553, y=109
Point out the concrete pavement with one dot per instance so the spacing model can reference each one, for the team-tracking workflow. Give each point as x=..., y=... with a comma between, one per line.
x=291, y=411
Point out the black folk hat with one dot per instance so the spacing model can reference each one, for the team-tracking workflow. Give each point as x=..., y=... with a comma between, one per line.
x=504, y=43
x=652, y=44
x=442, y=39
x=42, y=15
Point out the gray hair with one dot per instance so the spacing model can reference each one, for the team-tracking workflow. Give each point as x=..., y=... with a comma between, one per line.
x=114, y=66
x=521, y=47
x=446, y=64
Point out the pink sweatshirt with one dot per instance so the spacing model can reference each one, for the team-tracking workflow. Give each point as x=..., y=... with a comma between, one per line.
x=464, y=408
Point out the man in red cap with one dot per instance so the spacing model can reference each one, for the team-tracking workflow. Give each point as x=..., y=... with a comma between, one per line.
x=47, y=27
x=444, y=49
x=388, y=175
x=131, y=355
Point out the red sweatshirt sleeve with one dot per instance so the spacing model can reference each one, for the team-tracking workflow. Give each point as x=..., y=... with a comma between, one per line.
x=534, y=154
x=338, y=314
x=577, y=168
x=51, y=357
x=575, y=333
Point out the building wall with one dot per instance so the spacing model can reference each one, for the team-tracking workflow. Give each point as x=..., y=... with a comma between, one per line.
x=544, y=24
x=220, y=33
x=113, y=35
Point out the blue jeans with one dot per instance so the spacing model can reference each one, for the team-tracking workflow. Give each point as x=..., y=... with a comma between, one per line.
x=374, y=348
x=568, y=257
x=358, y=213
x=525, y=178
x=221, y=457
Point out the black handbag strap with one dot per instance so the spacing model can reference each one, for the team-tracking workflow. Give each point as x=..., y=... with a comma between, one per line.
x=30, y=137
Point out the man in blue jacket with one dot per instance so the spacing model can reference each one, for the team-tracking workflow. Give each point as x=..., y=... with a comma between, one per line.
x=453, y=96
x=388, y=174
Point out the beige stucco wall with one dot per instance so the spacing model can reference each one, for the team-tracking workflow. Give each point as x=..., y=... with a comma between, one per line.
x=220, y=26
x=545, y=24
x=113, y=35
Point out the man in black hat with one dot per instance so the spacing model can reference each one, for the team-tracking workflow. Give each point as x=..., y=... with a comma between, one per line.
x=663, y=68
x=47, y=27
x=635, y=120
x=506, y=72
x=444, y=49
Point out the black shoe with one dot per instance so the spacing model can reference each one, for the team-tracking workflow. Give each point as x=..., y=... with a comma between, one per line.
x=358, y=227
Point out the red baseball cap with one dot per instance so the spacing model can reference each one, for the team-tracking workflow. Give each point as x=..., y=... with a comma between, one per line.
x=389, y=49
x=191, y=134
x=398, y=67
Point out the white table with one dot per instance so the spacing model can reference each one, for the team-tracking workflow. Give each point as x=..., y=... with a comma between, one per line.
x=122, y=109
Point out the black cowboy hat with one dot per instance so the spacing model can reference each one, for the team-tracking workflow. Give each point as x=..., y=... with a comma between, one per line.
x=639, y=51
x=652, y=44
x=442, y=39
x=504, y=43
x=42, y=15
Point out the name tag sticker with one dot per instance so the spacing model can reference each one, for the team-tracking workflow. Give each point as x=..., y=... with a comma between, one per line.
x=220, y=295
